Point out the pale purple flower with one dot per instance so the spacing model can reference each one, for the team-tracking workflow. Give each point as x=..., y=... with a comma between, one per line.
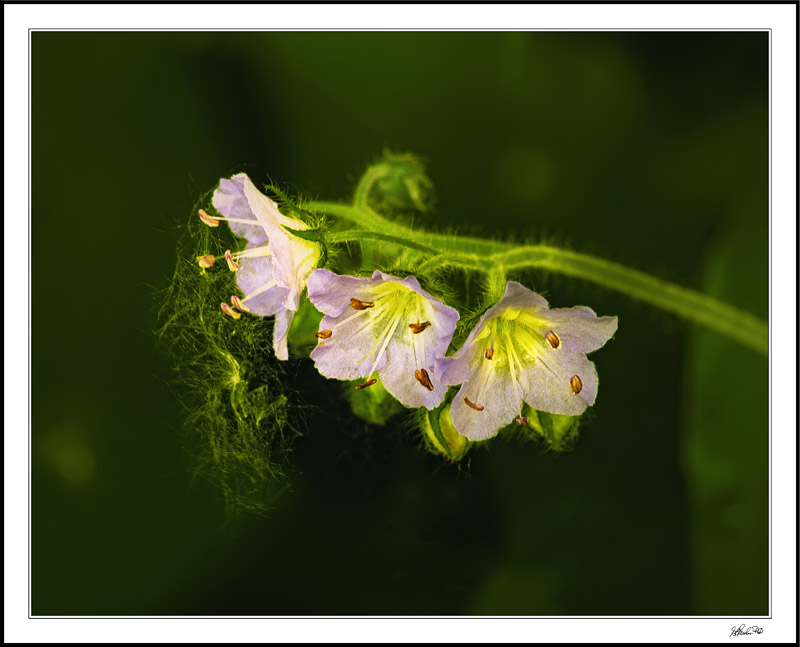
x=275, y=265
x=382, y=327
x=523, y=350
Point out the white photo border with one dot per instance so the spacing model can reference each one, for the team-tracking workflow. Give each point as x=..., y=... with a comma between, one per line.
x=778, y=18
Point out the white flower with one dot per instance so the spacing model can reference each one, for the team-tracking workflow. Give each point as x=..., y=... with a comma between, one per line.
x=383, y=326
x=523, y=350
x=274, y=266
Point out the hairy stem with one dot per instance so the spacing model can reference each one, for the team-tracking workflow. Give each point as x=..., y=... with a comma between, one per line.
x=357, y=235
x=491, y=257
x=368, y=220
x=496, y=284
x=694, y=306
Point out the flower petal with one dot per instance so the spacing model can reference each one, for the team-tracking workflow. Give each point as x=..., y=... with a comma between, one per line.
x=280, y=341
x=293, y=258
x=409, y=352
x=331, y=293
x=345, y=354
x=398, y=376
x=382, y=329
x=454, y=369
x=254, y=273
x=492, y=387
x=580, y=328
x=230, y=200
x=522, y=348
x=547, y=383
x=519, y=297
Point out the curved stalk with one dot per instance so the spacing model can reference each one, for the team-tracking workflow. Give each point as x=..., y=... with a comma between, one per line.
x=495, y=257
x=357, y=235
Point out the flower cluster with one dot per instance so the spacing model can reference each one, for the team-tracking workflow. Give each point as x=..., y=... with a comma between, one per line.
x=389, y=328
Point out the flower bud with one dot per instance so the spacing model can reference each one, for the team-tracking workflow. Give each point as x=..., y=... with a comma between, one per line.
x=558, y=431
x=440, y=435
x=402, y=184
x=371, y=402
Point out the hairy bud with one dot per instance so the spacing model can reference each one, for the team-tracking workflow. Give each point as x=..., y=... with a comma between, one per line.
x=399, y=184
x=558, y=431
x=440, y=435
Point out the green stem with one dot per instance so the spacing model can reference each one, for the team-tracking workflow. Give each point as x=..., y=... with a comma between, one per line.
x=694, y=306
x=371, y=221
x=496, y=284
x=487, y=256
x=357, y=235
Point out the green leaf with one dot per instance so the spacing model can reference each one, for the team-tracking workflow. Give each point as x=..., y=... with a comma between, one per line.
x=314, y=235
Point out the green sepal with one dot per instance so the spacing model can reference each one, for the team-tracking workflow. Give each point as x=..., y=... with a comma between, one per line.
x=314, y=235
x=440, y=435
x=559, y=432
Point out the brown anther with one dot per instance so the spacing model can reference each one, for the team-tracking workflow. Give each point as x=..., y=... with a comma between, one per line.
x=357, y=304
x=238, y=303
x=472, y=405
x=232, y=264
x=576, y=384
x=489, y=353
x=423, y=378
x=208, y=220
x=206, y=261
x=417, y=328
x=553, y=339
x=522, y=420
x=323, y=334
x=366, y=384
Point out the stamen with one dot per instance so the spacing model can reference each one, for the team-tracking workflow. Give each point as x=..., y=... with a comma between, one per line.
x=576, y=384
x=417, y=328
x=232, y=264
x=472, y=405
x=237, y=303
x=423, y=378
x=357, y=304
x=323, y=334
x=522, y=420
x=512, y=356
x=553, y=339
x=229, y=311
x=206, y=261
x=208, y=220
x=421, y=354
x=489, y=353
x=261, y=290
x=349, y=318
x=366, y=384
x=389, y=333
x=264, y=250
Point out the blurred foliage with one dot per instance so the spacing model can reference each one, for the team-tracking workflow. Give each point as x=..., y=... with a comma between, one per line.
x=727, y=389
x=646, y=148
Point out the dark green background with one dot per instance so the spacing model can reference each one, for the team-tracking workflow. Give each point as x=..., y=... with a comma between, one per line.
x=645, y=148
